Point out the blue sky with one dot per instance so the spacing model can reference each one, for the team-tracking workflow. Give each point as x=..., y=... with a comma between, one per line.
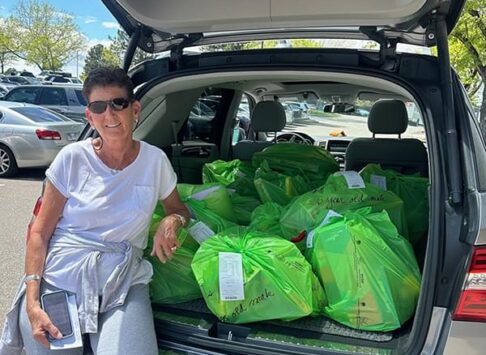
x=91, y=16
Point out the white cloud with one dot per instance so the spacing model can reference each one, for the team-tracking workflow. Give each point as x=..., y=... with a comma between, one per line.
x=63, y=14
x=111, y=25
x=90, y=19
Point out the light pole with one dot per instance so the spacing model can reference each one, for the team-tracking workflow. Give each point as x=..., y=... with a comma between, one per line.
x=77, y=66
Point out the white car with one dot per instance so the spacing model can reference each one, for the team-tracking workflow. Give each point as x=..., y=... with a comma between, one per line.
x=31, y=136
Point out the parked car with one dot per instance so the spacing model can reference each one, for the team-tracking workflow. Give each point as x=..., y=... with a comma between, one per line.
x=59, y=79
x=4, y=88
x=450, y=317
x=31, y=136
x=23, y=80
x=66, y=100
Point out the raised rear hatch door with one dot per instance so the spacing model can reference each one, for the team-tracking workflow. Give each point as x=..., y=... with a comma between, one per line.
x=165, y=23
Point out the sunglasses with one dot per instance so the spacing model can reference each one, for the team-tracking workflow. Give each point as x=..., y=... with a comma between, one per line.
x=116, y=104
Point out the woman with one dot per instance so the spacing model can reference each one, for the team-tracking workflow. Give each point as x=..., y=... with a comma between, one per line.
x=92, y=227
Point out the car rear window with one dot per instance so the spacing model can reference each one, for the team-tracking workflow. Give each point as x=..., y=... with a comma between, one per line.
x=80, y=96
x=39, y=114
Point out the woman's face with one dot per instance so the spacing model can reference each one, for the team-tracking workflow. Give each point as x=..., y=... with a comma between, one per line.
x=114, y=123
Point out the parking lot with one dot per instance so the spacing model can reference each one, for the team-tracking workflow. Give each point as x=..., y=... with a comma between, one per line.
x=17, y=196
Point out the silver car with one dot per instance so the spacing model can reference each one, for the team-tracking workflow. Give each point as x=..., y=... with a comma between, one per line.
x=31, y=136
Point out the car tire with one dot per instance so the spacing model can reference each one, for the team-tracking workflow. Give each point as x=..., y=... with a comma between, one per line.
x=8, y=165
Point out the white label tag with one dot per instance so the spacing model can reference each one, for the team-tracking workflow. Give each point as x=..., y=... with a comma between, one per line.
x=231, y=277
x=353, y=179
x=330, y=214
x=75, y=340
x=310, y=236
x=200, y=232
x=201, y=195
x=379, y=181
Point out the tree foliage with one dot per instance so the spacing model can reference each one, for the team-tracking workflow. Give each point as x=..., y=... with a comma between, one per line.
x=99, y=56
x=467, y=45
x=120, y=44
x=41, y=35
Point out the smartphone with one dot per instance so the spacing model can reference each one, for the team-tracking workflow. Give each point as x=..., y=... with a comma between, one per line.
x=55, y=304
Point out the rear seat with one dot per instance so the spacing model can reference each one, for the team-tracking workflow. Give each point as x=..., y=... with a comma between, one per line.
x=405, y=155
x=268, y=116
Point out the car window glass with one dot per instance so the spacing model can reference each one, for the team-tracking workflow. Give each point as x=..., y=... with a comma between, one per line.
x=80, y=96
x=327, y=118
x=242, y=124
x=60, y=79
x=39, y=114
x=53, y=96
x=199, y=123
x=26, y=94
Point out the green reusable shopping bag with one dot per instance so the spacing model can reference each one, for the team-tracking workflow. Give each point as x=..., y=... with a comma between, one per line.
x=173, y=282
x=368, y=271
x=234, y=174
x=276, y=187
x=215, y=197
x=201, y=212
x=347, y=191
x=413, y=190
x=247, y=276
x=312, y=163
x=243, y=206
x=266, y=219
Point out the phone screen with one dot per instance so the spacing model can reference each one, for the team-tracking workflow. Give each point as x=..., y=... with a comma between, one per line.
x=56, y=306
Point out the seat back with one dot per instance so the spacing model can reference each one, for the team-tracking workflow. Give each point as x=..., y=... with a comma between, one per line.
x=407, y=155
x=268, y=116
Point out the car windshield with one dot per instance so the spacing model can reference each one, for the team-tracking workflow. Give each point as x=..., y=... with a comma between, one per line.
x=39, y=114
x=342, y=119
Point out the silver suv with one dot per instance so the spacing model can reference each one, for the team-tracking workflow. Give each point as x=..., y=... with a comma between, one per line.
x=66, y=99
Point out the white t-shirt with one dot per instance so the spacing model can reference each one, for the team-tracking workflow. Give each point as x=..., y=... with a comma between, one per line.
x=107, y=204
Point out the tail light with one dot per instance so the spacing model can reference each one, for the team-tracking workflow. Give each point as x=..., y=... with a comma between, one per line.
x=472, y=302
x=47, y=134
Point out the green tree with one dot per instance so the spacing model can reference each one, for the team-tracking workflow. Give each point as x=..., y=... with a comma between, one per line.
x=99, y=56
x=468, y=53
x=6, y=56
x=237, y=46
x=42, y=35
x=119, y=46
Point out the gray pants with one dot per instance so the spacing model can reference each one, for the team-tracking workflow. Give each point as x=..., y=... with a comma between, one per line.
x=127, y=329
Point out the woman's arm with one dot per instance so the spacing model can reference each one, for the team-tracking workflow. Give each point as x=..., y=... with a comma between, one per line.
x=165, y=238
x=50, y=212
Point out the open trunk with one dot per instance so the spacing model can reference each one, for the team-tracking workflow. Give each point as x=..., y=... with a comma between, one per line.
x=191, y=324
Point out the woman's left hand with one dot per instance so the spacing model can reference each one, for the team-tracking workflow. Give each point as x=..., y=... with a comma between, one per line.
x=165, y=241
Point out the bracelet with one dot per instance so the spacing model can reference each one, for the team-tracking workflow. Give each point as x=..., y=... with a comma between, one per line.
x=32, y=277
x=181, y=218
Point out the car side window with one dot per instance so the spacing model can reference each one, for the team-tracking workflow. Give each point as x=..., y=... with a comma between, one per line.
x=26, y=94
x=53, y=96
x=199, y=125
x=242, y=123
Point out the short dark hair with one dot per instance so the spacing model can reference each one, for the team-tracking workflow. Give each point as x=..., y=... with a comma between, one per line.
x=107, y=76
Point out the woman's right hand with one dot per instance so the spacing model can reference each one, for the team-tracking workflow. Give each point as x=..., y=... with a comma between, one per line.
x=42, y=325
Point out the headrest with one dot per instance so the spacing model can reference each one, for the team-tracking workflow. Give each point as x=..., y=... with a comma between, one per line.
x=268, y=116
x=388, y=116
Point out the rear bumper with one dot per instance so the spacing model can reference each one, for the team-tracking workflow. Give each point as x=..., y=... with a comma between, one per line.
x=466, y=338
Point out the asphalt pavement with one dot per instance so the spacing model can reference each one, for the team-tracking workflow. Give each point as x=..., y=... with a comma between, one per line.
x=17, y=199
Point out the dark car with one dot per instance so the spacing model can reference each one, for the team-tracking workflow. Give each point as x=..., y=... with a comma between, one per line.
x=448, y=151
x=65, y=99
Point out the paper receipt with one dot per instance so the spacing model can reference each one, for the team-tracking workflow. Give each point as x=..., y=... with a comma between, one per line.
x=231, y=277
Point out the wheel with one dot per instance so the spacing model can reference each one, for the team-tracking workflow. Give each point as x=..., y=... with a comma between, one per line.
x=8, y=165
x=295, y=137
